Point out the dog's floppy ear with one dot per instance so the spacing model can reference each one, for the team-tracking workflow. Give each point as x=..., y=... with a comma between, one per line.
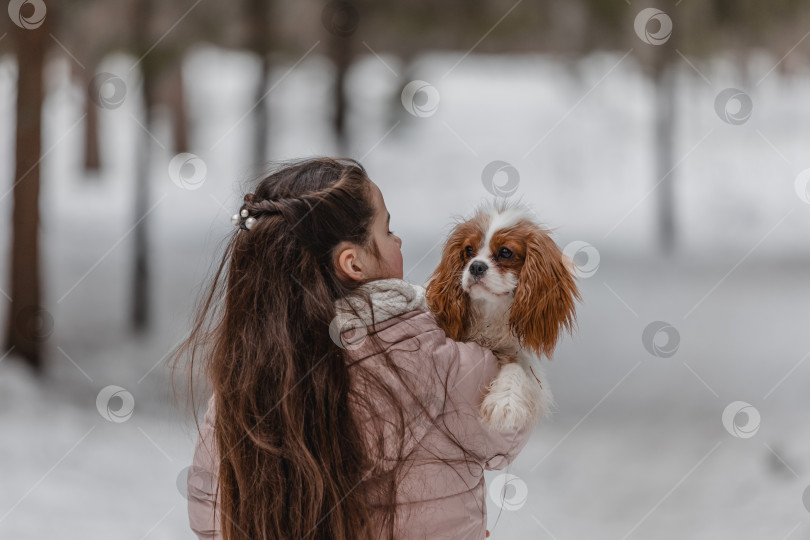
x=445, y=297
x=544, y=302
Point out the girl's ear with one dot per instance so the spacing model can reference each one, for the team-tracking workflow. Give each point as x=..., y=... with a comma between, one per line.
x=543, y=305
x=347, y=263
x=444, y=295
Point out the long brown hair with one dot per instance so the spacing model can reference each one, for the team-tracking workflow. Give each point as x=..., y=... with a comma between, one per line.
x=293, y=458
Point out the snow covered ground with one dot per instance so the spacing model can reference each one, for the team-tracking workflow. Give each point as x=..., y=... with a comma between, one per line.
x=637, y=448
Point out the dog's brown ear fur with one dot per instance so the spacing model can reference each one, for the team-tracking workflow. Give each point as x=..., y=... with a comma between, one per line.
x=544, y=302
x=445, y=297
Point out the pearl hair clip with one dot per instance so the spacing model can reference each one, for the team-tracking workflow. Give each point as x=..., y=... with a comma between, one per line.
x=249, y=222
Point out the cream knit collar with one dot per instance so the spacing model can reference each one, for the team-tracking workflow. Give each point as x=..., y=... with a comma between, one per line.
x=389, y=298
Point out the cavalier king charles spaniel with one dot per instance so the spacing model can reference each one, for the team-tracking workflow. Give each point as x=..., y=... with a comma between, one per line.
x=503, y=283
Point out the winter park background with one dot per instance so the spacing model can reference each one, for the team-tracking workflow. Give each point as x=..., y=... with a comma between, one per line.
x=638, y=446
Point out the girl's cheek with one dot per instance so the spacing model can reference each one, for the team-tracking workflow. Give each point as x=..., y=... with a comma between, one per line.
x=399, y=263
x=393, y=260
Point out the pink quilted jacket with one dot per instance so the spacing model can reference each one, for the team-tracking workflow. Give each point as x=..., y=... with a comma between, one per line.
x=436, y=501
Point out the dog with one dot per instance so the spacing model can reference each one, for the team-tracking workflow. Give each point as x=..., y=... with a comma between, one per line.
x=503, y=283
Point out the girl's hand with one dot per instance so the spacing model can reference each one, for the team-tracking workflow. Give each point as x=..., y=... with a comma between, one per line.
x=487, y=533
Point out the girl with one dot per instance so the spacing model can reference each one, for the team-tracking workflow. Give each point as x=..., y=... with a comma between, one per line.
x=340, y=409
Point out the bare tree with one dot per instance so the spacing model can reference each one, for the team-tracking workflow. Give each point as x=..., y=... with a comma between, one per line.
x=140, y=279
x=260, y=42
x=663, y=74
x=92, y=147
x=25, y=330
x=340, y=20
x=175, y=99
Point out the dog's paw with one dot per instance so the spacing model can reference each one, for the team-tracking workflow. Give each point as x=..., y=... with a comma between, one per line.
x=514, y=400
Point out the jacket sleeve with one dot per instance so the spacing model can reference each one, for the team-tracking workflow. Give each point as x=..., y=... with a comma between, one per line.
x=203, y=516
x=469, y=379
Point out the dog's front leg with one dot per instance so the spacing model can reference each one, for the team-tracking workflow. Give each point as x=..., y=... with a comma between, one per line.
x=516, y=397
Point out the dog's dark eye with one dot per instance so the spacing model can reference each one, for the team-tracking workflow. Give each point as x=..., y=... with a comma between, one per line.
x=505, y=253
x=469, y=251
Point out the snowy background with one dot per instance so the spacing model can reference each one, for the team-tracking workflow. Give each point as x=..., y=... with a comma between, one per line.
x=637, y=447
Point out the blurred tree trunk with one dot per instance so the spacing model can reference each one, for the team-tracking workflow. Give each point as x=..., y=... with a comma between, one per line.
x=261, y=43
x=339, y=50
x=141, y=278
x=664, y=78
x=92, y=150
x=407, y=73
x=177, y=104
x=140, y=316
x=340, y=20
x=22, y=332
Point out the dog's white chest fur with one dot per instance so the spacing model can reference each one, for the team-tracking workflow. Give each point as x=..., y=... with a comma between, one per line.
x=519, y=394
x=490, y=324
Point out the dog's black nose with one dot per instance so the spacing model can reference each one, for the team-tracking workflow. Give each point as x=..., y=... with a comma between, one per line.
x=478, y=268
